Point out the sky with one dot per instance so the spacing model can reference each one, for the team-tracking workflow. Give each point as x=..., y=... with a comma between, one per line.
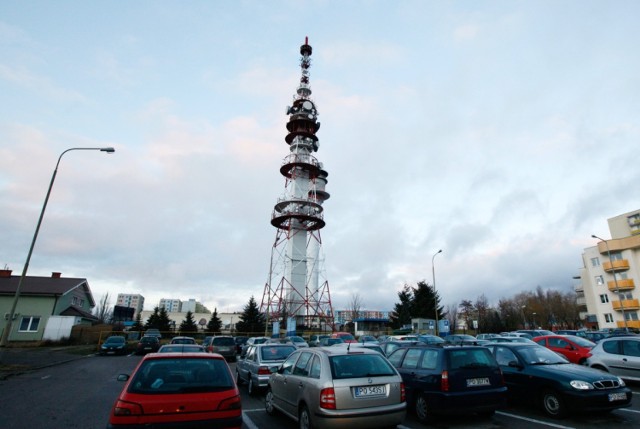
x=503, y=132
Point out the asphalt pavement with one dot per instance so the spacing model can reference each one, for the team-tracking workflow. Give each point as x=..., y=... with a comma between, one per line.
x=18, y=360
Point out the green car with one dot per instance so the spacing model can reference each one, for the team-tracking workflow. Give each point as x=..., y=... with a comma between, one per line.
x=536, y=375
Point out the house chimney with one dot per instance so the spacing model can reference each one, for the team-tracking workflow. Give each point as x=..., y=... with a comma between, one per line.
x=56, y=275
x=5, y=273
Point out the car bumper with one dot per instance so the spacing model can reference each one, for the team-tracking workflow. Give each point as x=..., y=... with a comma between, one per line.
x=380, y=417
x=597, y=399
x=465, y=402
x=226, y=423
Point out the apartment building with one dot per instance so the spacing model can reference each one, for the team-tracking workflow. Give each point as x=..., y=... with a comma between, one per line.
x=606, y=292
x=170, y=305
x=134, y=301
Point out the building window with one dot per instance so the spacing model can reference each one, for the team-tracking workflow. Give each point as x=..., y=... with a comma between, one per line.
x=631, y=316
x=595, y=262
x=604, y=298
x=608, y=317
x=616, y=256
x=29, y=324
x=599, y=280
x=625, y=295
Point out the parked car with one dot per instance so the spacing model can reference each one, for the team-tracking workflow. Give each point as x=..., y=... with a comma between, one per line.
x=430, y=339
x=390, y=346
x=535, y=332
x=181, y=348
x=324, y=387
x=258, y=363
x=501, y=339
x=314, y=339
x=372, y=345
x=169, y=390
x=252, y=341
x=240, y=341
x=595, y=336
x=183, y=340
x=486, y=336
x=224, y=345
x=297, y=341
x=576, y=332
x=206, y=343
x=450, y=380
x=618, y=355
x=147, y=344
x=463, y=339
x=278, y=341
x=536, y=375
x=367, y=339
x=327, y=342
x=114, y=345
x=346, y=336
x=575, y=349
x=152, y=332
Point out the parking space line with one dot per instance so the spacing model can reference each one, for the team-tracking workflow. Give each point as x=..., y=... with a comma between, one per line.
x=628, y=410
x=541, y=422
x=246, y=420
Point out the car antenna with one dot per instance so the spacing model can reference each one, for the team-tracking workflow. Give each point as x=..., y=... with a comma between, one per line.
x=348, y=346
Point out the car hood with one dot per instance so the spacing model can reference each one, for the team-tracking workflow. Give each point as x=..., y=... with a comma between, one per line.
x=571, y=372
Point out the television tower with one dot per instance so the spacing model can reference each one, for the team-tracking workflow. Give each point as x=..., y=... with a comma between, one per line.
x=296, y=289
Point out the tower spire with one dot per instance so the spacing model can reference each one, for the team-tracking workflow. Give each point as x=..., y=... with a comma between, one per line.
x=295, y=293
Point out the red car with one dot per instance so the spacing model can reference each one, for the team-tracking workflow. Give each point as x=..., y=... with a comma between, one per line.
x=345, y=336
x=575, y=349
x=178, y=390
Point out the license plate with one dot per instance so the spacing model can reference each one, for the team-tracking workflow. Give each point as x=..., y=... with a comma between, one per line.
x=472, y=382
x=617, y=396
x=363, y=391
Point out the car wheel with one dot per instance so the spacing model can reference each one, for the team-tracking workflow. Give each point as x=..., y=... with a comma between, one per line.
x=268, y=403
x=423, y=411
x=304, y=418
x=553, y=404
x=251, y=388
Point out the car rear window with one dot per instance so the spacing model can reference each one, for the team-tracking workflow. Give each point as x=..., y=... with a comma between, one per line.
x=162, y=376
x=470, y=358
x=223, y=341
x=355, y=365
x=276, y=353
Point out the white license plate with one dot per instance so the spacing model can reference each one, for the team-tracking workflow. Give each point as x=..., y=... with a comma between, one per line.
x=617, y=396
x=362, y=391
x=472, y=382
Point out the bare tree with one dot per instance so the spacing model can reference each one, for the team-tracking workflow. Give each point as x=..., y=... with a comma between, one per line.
x=355, y=306
x=103, y=311
x=452, y=317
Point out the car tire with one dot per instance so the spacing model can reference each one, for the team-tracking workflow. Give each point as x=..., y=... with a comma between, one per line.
x=304, y=418
x=268, y=403
x=553, y=404
x=422, y=409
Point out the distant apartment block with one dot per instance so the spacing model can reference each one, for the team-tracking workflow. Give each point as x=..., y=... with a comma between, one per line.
x=606, y=293
x=188, y=306
x=170, y=305
x=134, y=301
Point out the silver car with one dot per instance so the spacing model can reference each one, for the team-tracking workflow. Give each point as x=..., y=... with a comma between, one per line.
x=618, y=355
x=258, y=363
x=334, y=388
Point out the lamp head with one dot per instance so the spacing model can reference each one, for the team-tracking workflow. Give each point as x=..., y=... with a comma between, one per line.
x=107, y=149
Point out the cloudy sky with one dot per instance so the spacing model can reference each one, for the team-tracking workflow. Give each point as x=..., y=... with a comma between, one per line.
x=503, y=132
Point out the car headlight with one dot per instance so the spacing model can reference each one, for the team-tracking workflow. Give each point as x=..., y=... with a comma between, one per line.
x=581, y=385
x=621, y=381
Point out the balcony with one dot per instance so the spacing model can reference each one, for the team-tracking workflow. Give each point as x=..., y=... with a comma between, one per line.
x=627, y=304
x=630, y=324
x=623, y=284
x=618, y=265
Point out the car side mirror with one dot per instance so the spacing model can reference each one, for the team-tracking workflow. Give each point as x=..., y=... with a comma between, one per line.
x=123, y=377
x=514, y=364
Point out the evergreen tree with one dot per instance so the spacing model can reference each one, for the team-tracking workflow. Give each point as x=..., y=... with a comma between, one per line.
x=164, y=322
x=251, y=320
x=424, y=302
x=401, y=314
x=152, y=321
x=215, y=324
x=137, y=325
x=188, y=324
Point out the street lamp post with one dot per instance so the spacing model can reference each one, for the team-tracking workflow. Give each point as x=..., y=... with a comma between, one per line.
x=615, y=280
x=435, y=294
x=9, y=325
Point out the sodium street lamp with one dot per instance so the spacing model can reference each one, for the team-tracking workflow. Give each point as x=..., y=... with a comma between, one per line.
x=8, y=326
x=615, y=280
x=435, y=294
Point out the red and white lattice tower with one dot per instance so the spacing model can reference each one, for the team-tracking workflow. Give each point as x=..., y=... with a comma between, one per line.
x=296, y=287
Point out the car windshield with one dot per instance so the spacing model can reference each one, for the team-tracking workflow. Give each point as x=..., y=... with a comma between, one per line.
x=470, y=358
x=149, y=340
x=539, y=355
x=115, y=340
x=297, y=339
x=260, y=340
x=272, y=353
x=189, y=375
x=357, y=365
x=224, y=341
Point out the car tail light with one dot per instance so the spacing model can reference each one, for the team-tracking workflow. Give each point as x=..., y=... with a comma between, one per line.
x=328, y=399
x=403, y=396
x=123, y=408
x=264, y=370
x=233, y=403
x=444, y=381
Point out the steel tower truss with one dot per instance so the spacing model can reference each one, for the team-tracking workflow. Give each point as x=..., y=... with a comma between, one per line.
x=296, y=286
